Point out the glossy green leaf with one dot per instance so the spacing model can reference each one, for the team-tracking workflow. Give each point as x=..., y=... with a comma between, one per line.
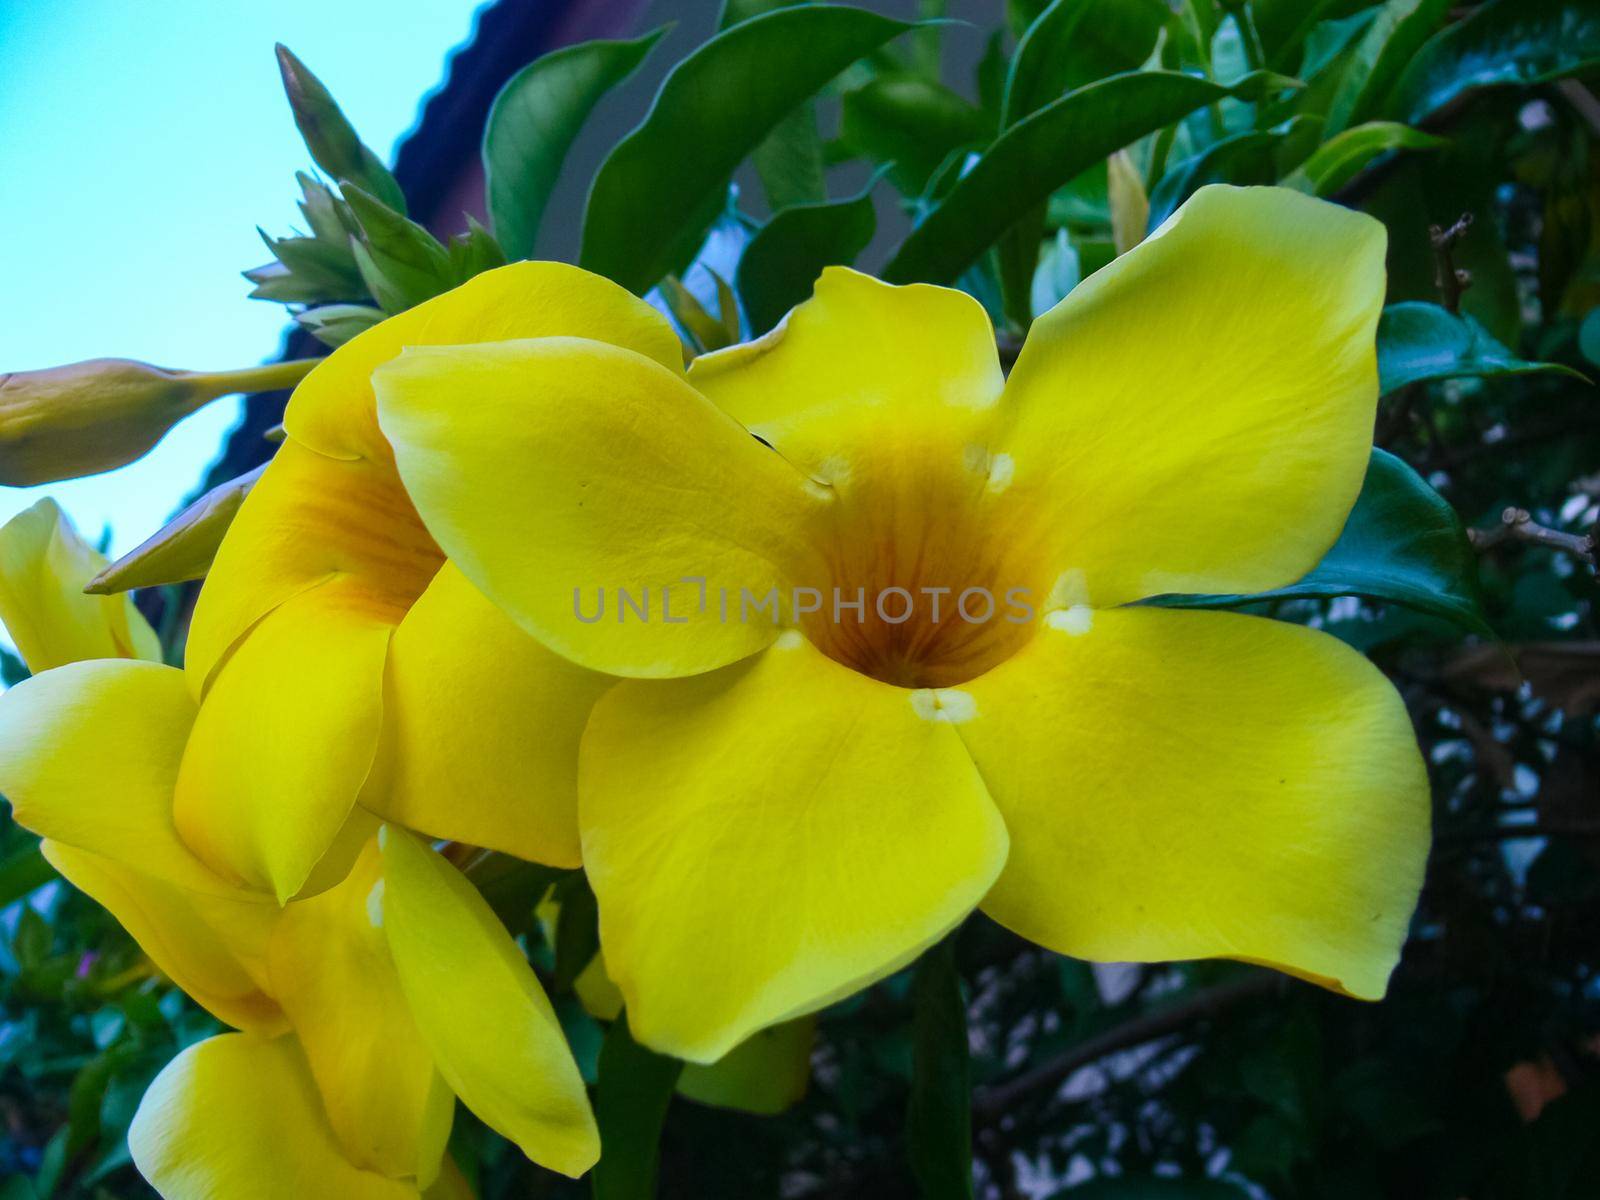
x=784, y=259
x=1337, y=160
x=330, y=138
x=23, y=870
x=1058, y=272
x=1402, y=544
x=533, y=123
x=1042, y=152
x=1389, y=44
x=1072, y=44
x=474, y=252
x=938, y=1116
x=1244, y=158
x=911, y=124
x=664, y=184
x=1418, y=341
x=1508, y=42
x=789, y=159
x=630, y=1103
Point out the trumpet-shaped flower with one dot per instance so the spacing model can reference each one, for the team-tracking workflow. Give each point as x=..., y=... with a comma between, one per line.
x=808, y=774
x=44, y=567
x=337, y=653
x=353, y=997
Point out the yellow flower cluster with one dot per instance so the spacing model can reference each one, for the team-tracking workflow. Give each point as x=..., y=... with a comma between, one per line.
x=775, y=804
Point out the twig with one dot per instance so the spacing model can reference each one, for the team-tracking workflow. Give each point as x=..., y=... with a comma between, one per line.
x=1516, y=525
x=1447, y=277
x=994, y=1102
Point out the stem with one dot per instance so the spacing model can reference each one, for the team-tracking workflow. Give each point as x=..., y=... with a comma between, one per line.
x=269, y=377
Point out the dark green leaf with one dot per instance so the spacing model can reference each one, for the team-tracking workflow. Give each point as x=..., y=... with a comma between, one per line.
x=912, y=123
x=1074, y=43
x=1403, y=544
x=402, y=263
x=938, y=1117
x=1507, y=42
x=21, y=871
x=630, y=1103
x=333, y=144
x=789, y=159
x=1390, y=43
x=1044, y=151
x=474, y=252
x=1334, y=162
x=533, y=123
x=1244, y=158
x=1418, y=341
x=782, y=262
x=664, y=183
x=577, y=929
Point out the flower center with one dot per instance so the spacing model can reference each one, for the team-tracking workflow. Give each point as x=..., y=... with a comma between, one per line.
x=924, y=580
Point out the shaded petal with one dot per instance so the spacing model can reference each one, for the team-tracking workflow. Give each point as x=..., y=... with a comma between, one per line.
x=1197, y=785
x=44, y=566
x=548, y=469
x=857, y=370
x=332, y=410
x=481, y=729
x=764, y=1074
x=310, y=520
x=212, y=947
x=237, y=1117
x=480, y=1007
x=89, y=758
x=1197, y=416
x=332, y=973
x=769, y=838
x=284, y=740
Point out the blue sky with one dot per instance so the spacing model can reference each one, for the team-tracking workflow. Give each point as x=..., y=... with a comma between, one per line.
x=143, y=145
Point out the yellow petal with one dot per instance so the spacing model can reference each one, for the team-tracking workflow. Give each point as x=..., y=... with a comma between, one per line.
x=554, y=468
x=1197, y=416
x=481, y=1009
x=210, y=946
x=853, y=373
x=44, y=566
x=89, y=757
x=332, y=973
x=765, y=1074
x=1197, y=785
x=332, y=411
x=284, y=740
x=237, y=1117
x=481, y=729
x=308, y=520
x=768, y=838
x=185, y=547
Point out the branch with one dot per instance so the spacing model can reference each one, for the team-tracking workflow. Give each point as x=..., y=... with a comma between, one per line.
x=1447, y=277
x=991, y=1103
x=1517, y=525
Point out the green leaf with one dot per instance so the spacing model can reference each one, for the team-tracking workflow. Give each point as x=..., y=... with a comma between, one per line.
x=630, y=1103
x=1044, y=151
x=577, y=929
x=1418, y=341
x=1516, y=42
x=1334, y=162
x=335, y=324
x=474, y=252
x=533, y=123
x=1389, y=44
x=21, y=871
x=664, y=183
x=402, y=263
x=1074, y=43
x=938, y=1116
x=789, y=159
x=1058, y=272
x=1403, y=544
x=782, y=262
x=911, y=124
x=329, y=137
x=1244, y=158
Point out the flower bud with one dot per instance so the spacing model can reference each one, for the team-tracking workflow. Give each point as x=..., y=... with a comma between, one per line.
x=183, y=548
x=88, y=417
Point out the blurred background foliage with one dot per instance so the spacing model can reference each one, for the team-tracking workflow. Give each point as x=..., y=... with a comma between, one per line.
x=1013, y=169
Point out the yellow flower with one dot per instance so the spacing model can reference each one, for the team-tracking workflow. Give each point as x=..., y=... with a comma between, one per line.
x=785, y=800
x=44, y=567
x=353, y=998
x=337, y=654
